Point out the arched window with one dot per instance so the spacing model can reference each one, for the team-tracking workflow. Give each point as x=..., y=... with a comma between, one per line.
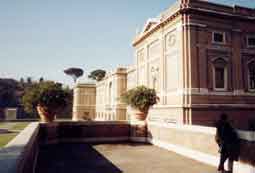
x=251, y=75
x=220, y=76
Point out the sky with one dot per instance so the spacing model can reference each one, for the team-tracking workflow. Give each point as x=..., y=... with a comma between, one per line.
x=41, y=38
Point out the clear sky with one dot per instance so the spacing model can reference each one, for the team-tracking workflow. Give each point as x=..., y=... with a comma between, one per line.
x=43, y=37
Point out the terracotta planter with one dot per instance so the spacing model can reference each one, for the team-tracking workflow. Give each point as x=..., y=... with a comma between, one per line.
x=140, y=115
x=46, y=116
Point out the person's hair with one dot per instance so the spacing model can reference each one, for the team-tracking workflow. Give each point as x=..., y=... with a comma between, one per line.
x=224, y=117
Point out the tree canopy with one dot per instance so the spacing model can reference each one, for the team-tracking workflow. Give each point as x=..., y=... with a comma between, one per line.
x=8, y=92
x=97, y=75
x=46, y=93
x=75, y=73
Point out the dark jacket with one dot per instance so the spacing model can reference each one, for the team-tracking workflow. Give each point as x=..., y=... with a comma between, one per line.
x=227, y=139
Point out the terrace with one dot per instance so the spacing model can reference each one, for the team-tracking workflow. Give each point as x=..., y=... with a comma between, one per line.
x=113, y=146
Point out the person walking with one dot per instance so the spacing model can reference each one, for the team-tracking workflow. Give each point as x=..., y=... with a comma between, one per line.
x=228, y=142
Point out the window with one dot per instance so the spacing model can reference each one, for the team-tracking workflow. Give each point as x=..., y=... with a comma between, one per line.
x=218, y=37
x=251, y=41
x=219, y=77
x=251, y=76
x=220, y=74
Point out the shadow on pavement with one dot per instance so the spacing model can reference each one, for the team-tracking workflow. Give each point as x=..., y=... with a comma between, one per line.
x=77, y=157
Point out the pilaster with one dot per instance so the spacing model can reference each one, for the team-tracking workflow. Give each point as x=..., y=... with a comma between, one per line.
x=237, y=60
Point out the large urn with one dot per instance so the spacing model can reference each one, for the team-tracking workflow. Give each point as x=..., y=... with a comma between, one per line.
x=46, y=115
x=140, y=115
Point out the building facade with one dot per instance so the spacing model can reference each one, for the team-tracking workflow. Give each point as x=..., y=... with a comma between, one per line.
x=84, y=104
x=200, y=57
x=108, y=92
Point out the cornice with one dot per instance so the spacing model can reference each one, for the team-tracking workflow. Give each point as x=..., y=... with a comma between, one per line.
x=219, y=13
x=161, y=24
x=189, y=8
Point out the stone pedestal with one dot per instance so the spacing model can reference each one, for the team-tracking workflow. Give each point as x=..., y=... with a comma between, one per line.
x=138, y=130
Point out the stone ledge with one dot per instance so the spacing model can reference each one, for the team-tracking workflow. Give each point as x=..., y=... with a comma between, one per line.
x=243, y=134
x=20, y=150
x=87, y=123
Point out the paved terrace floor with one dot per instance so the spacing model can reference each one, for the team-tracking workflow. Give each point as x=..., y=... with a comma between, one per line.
x=115, y=158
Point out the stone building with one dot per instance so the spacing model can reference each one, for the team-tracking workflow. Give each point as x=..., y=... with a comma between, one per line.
x=200, y=57
x=108, y=91
x=84, y=105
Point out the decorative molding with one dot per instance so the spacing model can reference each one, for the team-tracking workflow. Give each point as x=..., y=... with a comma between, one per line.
x=222, y=13
x=247, y=106
x=206, y=92
x=248, y=51
x=223, y=57
x=220, y=48
x=170, y=39
x=195, y=24
x=140, y=38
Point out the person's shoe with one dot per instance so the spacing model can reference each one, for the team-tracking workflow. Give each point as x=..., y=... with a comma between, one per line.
x=221, y=170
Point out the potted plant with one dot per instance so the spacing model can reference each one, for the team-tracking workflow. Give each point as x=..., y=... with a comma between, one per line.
x=141, y=99
x=48, y=98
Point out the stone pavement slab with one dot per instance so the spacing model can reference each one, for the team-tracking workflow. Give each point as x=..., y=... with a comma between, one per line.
x=115, y=158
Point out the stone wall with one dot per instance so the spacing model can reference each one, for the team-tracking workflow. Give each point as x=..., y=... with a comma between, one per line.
x=20, y=155
x=198, y=142
x=84, y=132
